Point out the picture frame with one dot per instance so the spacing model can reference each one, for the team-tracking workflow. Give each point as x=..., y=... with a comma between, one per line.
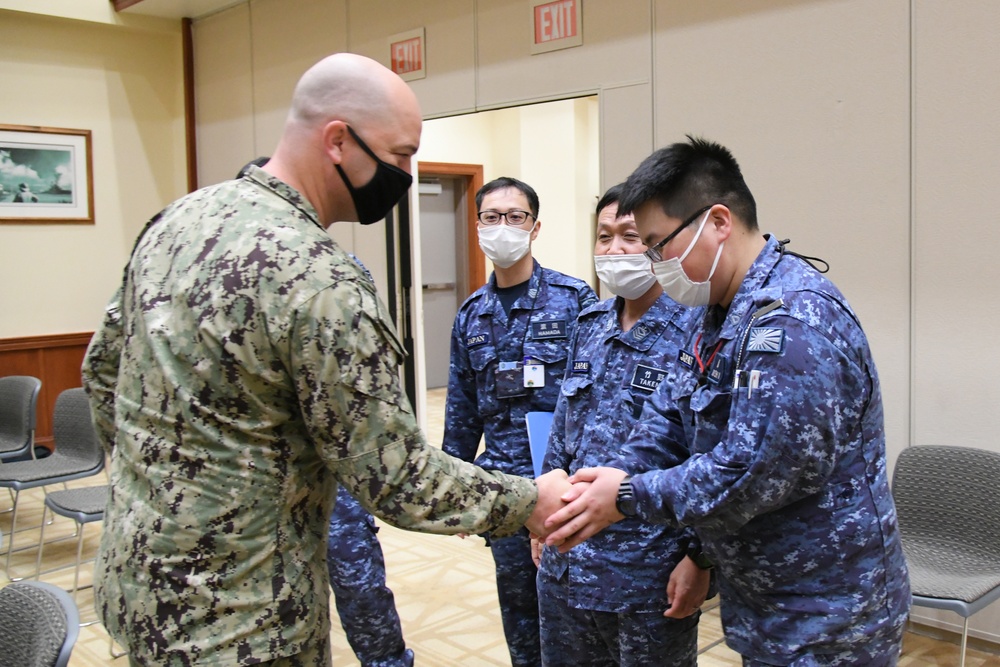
x=46, y=175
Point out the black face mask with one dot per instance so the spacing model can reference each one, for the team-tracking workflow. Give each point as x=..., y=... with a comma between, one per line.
x=376, y=198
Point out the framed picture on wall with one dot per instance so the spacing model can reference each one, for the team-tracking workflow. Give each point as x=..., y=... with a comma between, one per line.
x=46, y=175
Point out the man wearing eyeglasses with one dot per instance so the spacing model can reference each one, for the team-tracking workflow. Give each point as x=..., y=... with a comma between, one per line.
x=630, y=596
x=508, y=354
x=771, y=444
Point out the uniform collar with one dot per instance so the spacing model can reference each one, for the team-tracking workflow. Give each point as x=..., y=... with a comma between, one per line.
x=751, y=294
x=285, y=191
x=663, y=313
x=532, y=295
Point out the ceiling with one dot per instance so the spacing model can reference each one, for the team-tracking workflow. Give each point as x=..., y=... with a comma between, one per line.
x=178, y=9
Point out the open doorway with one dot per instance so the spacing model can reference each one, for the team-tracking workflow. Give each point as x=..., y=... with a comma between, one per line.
x=552, y=146
x=452, y=265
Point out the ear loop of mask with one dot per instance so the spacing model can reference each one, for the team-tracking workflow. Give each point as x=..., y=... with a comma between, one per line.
x=701, y=228
x=694, y=241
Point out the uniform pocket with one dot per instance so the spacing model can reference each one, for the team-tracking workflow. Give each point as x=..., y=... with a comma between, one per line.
x=576, y=385
x=483, y=360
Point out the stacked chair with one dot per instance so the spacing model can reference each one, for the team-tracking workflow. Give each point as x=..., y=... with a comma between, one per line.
x=77, y=454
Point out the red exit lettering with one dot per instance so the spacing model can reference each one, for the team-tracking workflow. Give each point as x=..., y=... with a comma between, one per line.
x=406, y=56
x=555, y=20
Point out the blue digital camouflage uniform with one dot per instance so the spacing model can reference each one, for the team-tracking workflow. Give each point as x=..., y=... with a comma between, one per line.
x=541, y=324
x=784, y=475
x=365, y=604
x=602, y=602
x=244, y=369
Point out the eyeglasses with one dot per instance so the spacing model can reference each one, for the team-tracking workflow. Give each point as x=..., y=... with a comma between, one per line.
x=655, y=253
x=514, y=217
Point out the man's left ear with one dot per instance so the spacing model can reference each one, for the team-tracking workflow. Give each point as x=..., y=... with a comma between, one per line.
x=334, y=135
x=722, y=221
x=538, y=226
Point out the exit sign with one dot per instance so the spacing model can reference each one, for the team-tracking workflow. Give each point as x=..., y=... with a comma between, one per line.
x=558, y=24
x=408, y=54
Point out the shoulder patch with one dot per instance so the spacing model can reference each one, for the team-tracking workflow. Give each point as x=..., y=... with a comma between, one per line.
x=475, y=340
x=766, y=339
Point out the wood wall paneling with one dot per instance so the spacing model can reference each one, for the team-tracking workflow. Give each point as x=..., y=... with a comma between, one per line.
x=55, y=360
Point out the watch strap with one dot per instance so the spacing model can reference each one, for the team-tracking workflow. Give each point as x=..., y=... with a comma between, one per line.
x=625, y=502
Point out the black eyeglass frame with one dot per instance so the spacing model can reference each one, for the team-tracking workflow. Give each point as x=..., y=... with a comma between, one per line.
x=504, y=218
x=654, y=252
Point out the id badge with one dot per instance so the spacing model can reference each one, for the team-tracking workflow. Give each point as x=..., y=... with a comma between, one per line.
x=509, y=380
x=534, y=375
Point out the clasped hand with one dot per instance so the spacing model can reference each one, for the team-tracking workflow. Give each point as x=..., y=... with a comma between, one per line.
x=571, y=509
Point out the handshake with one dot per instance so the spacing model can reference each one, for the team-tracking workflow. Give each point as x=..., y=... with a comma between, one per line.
x=572, y=509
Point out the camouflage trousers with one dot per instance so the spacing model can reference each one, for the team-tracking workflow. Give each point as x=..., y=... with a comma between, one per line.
x=314, y=656
x=585, y=638
x=879, y=650
x=366, y=606
x=518, y=596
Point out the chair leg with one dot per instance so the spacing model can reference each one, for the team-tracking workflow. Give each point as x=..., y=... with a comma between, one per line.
x=965, y=639
x=86, y=624
x=13, y=531
x=79, y=555
x=9, y=509
x=41, y=545
x=111, y=648
x=76, y=568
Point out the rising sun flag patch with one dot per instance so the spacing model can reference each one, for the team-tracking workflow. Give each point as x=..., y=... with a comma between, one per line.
x=766, y=339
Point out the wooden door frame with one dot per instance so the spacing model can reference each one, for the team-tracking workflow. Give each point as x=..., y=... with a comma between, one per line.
x=472, y=178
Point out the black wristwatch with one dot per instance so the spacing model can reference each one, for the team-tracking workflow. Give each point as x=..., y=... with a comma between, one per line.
x=626, y=499
x=701, y=560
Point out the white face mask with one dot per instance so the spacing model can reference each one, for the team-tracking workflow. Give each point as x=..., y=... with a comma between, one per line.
x=505, y=245
x=675, y=281
x=627, y=276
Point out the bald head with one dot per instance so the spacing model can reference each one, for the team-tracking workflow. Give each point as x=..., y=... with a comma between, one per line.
x=352, y=88
x=343, y=107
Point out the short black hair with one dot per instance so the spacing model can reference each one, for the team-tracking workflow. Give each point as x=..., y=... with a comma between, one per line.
x=687, y=176
x=257, y=162
x=505, y=182
x=612, y=196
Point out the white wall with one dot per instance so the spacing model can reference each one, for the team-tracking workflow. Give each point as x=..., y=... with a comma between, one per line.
x=124, y=84
x=955, y=237
x=813, y=100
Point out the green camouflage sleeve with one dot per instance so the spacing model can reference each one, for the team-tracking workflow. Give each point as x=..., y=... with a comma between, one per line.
x=346, y=369
x=100, y=371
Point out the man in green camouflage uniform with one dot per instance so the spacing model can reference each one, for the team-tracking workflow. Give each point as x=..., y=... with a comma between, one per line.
x=244, y=368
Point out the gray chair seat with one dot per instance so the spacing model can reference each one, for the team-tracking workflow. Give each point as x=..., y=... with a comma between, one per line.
x=39, y=625
x=22, y=475
x=951, y=571
x=84, y=504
